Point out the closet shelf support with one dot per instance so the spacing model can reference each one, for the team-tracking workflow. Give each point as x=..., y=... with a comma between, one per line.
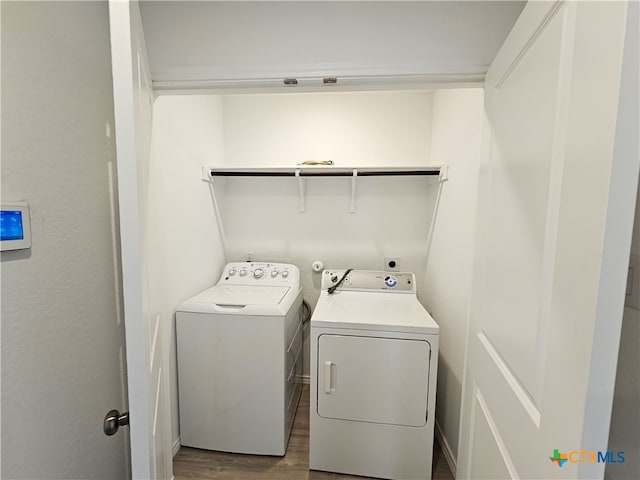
x=354, y=178
x=301, y=185
x=443, y=176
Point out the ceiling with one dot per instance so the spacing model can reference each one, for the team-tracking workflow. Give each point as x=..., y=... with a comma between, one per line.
x=239, y=40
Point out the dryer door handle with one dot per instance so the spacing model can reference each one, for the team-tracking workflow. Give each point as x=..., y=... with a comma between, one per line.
x=329, y=385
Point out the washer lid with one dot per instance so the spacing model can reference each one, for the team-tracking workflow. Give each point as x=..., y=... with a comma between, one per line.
x=240, y=300
x=373, y=311
x=241, y=295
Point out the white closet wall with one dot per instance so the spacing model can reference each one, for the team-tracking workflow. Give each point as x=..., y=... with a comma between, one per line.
x=350, y=128
x=188, y=255
x=455, y=140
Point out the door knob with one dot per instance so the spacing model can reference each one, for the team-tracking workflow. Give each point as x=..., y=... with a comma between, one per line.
x=113, y=420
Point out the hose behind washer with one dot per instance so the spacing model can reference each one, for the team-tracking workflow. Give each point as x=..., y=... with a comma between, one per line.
x=306, y=312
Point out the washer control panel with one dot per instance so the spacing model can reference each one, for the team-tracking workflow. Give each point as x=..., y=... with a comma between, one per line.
x=370, y=280
x=260, y=273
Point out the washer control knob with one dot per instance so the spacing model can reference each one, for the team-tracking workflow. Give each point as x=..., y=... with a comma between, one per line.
x=274, y=273
x=285, y=273
x=232, y=271
x=258, y=272
x=243, y=272
x=390, y=281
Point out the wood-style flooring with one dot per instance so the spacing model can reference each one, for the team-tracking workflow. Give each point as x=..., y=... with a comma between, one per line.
x=192, y=463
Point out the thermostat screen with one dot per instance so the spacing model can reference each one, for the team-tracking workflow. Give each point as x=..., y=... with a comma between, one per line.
x=11, y=227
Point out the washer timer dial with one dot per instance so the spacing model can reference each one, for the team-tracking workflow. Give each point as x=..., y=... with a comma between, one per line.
x=390, y=281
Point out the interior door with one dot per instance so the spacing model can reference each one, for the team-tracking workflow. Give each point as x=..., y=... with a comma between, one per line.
x=554, y=228
x=133, y=103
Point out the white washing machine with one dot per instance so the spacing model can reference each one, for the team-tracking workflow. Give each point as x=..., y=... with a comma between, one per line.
x=240, y=360
x=374, y=358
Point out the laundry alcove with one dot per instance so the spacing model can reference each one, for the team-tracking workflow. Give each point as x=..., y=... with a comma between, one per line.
x=421, y=219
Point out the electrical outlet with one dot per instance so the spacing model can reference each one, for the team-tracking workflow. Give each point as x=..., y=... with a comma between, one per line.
x=392, y=264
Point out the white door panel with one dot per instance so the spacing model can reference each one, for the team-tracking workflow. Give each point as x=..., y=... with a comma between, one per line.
x=370, y=379
x=133, y=108
x=547, y=224
x=490, y=459
x=522, y=157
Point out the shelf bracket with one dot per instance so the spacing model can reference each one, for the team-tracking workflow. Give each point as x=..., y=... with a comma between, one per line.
x=354, y=178
x=443, y=176
x=207, y=175
x=301, y=186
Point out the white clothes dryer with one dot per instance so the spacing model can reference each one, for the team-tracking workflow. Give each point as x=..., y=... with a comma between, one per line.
x=374, y=358
x=240, y=360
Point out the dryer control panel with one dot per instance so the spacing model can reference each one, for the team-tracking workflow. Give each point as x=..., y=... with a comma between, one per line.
x=370, y=280
x=260, y=273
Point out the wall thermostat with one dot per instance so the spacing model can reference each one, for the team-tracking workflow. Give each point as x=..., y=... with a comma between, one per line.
x=15, y=226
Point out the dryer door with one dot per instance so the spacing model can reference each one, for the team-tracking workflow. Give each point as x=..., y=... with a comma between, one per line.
x=373, y=379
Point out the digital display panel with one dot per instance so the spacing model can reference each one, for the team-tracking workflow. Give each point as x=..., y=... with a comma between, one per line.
x=11, y=226
x=15, y=226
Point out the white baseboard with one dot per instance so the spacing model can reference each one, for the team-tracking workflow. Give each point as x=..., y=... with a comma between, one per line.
x=446, y=450
x=175, y=448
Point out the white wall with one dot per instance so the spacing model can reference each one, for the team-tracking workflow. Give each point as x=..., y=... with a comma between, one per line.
x=393, y=214
x=62, y=335
x=368, y=128
x=456, y=140
x=187, y=254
